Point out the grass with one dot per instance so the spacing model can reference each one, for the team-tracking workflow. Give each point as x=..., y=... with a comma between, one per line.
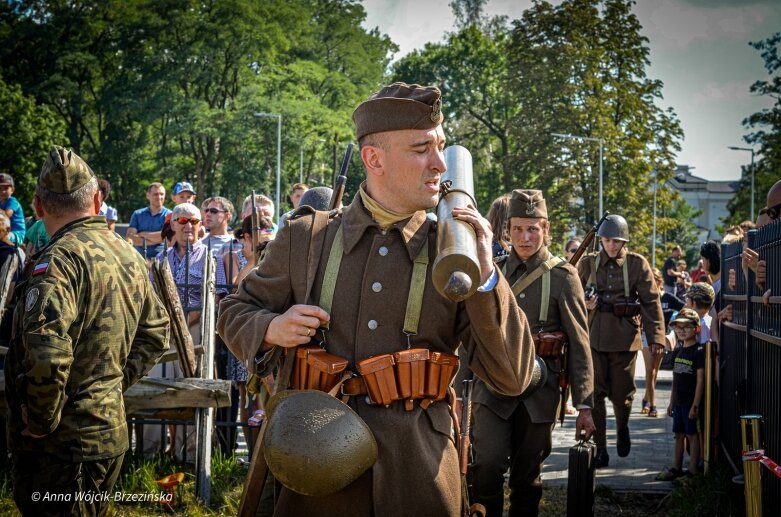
x=606, y=502
x=712, y=494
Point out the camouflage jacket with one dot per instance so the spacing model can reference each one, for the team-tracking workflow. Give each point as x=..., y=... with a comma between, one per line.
x=87, y=326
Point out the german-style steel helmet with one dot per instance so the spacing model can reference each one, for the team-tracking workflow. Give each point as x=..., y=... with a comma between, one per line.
x=315, y=444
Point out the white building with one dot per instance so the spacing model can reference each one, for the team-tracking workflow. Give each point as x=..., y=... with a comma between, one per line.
x=710, y=197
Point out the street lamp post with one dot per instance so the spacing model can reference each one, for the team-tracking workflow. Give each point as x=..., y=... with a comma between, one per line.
x=653, y=231
x=601, y=170
x=747, y=149
x=301, y=161
x=279, y=154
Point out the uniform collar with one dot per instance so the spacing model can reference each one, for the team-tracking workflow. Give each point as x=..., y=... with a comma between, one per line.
x=619, y=260
x=356, y=220
x=514, y=261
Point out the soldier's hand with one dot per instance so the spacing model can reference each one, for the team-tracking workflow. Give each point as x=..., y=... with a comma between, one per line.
x=585, y=423
x=296, y=326
x=484, y=238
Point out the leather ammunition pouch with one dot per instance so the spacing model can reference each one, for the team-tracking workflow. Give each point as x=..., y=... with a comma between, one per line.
x=407, y=375
x=550, y=344
x=626, y=309
x=316, y=369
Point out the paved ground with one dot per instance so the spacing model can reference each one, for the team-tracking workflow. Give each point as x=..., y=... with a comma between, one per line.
x=652, y=444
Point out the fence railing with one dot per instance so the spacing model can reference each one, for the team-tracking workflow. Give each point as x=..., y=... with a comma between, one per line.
x=750, y=351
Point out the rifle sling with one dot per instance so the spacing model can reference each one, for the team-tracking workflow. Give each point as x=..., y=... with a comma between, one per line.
x=529, y=278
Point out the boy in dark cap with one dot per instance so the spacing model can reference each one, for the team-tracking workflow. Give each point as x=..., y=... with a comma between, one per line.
x=12, y=208
x=371, y=310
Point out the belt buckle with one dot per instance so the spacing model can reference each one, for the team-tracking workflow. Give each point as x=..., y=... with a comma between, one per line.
x=341, y=387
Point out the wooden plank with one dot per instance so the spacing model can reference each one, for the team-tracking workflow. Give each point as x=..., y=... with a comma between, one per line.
x=177, y=393
x=173, y=355
x=205, y=417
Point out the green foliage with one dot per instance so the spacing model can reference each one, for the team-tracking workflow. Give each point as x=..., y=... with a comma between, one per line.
x=765, y=127
x=27, y=130
x=706, y=494
x=154, y=90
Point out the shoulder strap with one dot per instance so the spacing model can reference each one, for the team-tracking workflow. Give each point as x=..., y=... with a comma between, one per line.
x=526, y=280
x=626, y=277
x=331, y=272
x=316, y=240
x=592, y=277
x=545, y=298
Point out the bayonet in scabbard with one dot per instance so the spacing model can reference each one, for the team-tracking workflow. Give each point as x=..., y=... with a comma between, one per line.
x=465, y=443
x=341, y=180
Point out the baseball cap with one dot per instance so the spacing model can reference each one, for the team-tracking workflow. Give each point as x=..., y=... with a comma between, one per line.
x=183, y=186
x=6, y=179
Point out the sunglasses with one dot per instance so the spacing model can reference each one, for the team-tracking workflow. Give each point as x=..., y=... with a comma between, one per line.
x=214, y=210
x=184, y=220
x=772, y=212
x=573, y=250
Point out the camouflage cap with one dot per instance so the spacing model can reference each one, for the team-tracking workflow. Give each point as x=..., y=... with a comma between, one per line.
x=399, y=106
x=64, y=171
x=684, y=316
x=527, y=203
x=702, y=293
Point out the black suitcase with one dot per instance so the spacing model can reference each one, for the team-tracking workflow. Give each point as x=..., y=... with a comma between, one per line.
x=581, y=480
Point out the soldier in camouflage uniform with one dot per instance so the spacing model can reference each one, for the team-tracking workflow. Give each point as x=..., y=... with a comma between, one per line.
x=87, y=326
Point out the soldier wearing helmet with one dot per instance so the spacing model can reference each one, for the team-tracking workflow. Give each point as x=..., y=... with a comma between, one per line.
x=626, y=304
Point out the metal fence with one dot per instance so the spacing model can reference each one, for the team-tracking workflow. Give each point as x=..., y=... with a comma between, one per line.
x=750, y=352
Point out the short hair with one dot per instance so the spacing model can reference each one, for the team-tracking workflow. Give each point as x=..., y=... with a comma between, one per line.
x=5, y=223
x=681, y=263
x=224, y=203
x=374, y=140
x=105, y=188
x=299, y=186
x=60, y=204
x=259, y=199
x=676, y=247
x=711, y=251
x=153, y=185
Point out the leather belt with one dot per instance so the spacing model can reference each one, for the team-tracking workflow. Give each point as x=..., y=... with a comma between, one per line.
x=354, y=386
x=605, y=307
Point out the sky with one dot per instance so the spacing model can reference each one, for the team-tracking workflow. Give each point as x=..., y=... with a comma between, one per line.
x=698, y=48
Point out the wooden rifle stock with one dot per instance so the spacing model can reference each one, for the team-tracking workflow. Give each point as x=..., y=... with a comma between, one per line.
x=255, y=225
x=587, y=240
x=464, y=443
x=341, y=180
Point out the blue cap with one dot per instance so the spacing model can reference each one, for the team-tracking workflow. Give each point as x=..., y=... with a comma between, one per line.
x=183, y=186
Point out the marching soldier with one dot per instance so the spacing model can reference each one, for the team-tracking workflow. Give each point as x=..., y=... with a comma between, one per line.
x=87, y=326
x=511, y=431
x=626, y=302
x=371, y=254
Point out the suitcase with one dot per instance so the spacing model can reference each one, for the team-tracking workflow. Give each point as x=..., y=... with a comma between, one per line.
x=581, y=480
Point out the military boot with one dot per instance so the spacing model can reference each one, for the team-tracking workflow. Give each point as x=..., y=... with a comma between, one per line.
x=623, y=442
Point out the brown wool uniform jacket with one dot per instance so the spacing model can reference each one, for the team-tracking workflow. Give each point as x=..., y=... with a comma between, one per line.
x=417, y=466
x=613, y=334
x=566, y=312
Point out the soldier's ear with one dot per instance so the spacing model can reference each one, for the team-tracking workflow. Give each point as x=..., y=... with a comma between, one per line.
x=96, y=202
x=38, y=206
x=372, y=158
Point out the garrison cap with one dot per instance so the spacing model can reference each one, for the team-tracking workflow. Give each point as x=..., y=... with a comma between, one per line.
x=527, y=203
x=64, y=171
x=399, y=106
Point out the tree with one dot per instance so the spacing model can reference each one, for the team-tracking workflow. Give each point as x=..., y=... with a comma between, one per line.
x=579, y=68
x=765, y=127
x=28, y=132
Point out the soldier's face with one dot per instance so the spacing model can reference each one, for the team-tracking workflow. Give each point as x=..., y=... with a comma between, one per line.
x=527, y=235
x=612, y=246
x=405, y=177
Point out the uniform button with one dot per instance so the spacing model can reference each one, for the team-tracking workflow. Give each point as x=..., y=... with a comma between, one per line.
x=610, y=276
x=376, y=287
x=372, y=325
x=383, y=251
x=522, y=295
x=607, y=296
x=610, y=287
x=611, y=266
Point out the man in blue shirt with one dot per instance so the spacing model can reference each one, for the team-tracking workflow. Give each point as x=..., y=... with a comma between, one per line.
x=12, y=208
x=146, y=223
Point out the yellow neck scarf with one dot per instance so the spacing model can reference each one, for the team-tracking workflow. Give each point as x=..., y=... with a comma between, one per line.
x=384, y=217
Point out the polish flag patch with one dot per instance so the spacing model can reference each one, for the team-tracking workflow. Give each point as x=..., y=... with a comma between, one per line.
x=41, y=268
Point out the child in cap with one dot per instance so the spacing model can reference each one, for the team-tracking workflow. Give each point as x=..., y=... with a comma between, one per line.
x=687, y=392
x=183, y=192
x=12, y=208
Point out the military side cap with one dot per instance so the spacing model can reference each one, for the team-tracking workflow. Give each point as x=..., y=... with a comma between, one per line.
x=64, y=171
x=399, y=106
x=527, y=203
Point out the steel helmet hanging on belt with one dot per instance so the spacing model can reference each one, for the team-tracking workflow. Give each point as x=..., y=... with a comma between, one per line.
x=614, y=227
x=315, y=444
